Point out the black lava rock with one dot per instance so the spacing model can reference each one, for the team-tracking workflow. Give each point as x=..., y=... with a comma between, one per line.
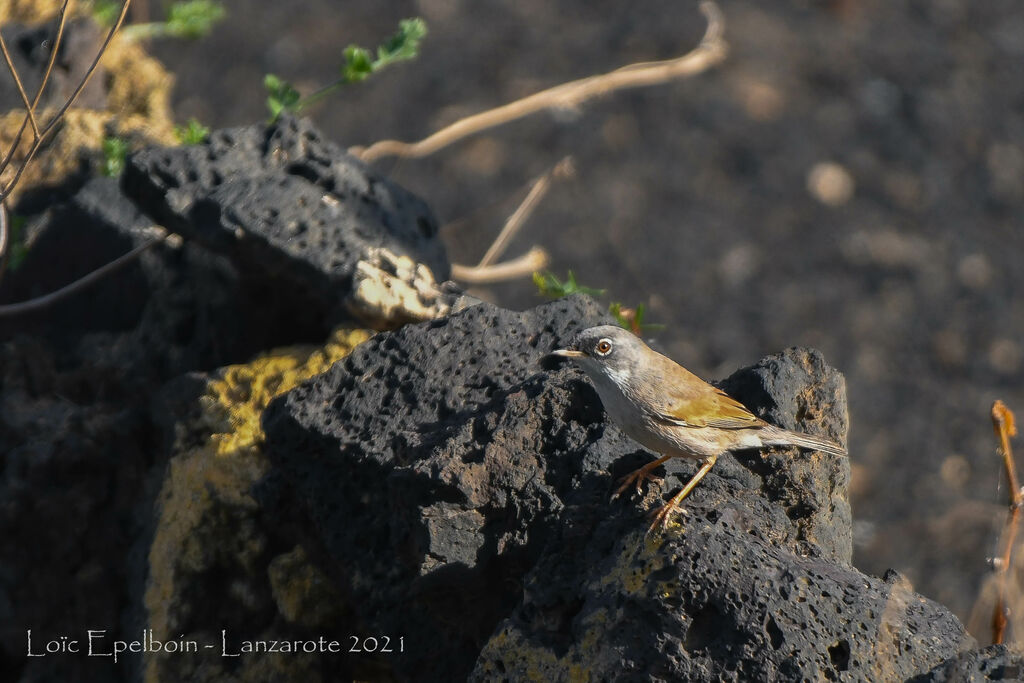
x=286, y=204
x=993, y=664
x=423, y=468
x=439, y=469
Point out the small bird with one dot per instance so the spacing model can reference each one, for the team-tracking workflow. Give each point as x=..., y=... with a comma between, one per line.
x=671, y=411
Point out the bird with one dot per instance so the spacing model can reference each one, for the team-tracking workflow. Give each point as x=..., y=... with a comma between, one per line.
x=673, y=412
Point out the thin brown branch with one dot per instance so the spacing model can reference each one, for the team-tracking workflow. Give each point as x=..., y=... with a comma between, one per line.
x=563, y=169
x=61, y=23
x=67, y=105
x=531, y=261
x=31, y=110
x=21, y=88
x=711, y=51
x=81, y=283
x=1005, y=427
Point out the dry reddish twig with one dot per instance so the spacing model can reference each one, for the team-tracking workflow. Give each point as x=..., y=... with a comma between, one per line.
x=1005, y=427
x=711, y=51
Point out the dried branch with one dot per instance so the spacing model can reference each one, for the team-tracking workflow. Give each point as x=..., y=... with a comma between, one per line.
x=31, y=110
x=52, y=124
x=528, y=263
x=21, y=88
x=711, y=51
x=81, y=283
x=1005, y=427
x=563, y=169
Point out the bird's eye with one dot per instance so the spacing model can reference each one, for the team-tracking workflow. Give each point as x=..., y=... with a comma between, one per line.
x=604, y=347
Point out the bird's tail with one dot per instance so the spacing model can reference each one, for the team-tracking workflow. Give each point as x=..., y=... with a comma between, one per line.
x=784, y=437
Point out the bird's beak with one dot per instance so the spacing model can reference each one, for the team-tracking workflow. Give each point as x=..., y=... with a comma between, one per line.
x=568, y=353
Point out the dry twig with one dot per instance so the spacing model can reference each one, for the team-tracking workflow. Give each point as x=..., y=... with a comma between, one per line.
x=528, y=263
x=39, y=138
x=1005, y=427
x=711, y=51
x=563, y=169
x=488, y=272
x=56, y=118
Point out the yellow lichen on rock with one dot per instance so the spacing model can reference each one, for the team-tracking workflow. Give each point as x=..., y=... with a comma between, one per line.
x=208, y=533
x=235, y=400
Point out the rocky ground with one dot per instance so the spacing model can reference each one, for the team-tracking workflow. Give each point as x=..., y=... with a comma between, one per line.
x=395, y=491
x=698, y=199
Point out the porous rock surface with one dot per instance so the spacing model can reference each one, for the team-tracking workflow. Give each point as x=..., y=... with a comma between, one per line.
x=992, y=664
x=83, y=446
x=287, y=204
x=458, y=494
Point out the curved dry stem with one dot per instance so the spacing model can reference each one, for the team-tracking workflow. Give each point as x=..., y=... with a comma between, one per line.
x=527, y=264
x=711, y=51
x=81, y=283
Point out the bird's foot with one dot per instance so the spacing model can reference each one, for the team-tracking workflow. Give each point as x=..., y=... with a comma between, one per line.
x=661, y=517
x=638, y=477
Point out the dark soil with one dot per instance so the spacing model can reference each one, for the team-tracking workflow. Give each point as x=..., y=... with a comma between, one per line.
x=693, y=198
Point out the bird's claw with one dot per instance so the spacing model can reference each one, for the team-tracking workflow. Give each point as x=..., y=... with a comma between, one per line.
x=639, y=476
x=661, y=516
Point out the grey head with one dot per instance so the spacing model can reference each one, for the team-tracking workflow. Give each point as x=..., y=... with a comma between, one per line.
x=608, y=354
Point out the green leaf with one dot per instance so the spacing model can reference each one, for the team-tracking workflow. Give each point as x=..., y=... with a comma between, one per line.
x=550, y=286
x=403, y=45
x=192, y=133
x=358, y=64
x=194, y=18
x=281, y=96
x=115, y=151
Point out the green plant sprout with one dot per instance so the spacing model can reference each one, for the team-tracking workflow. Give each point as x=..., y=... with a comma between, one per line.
x=632, y=319
x=550, y=286
x=19, y=250
x=115, y=151
x=359, y=65
x=189, y=19
x=192, y=133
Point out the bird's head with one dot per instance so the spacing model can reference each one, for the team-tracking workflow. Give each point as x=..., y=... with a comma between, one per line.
x=606, y=352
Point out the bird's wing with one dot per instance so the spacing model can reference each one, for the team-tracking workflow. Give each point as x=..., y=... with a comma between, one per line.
x=708, y=406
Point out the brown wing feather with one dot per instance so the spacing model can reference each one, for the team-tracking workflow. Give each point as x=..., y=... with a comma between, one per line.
x=693, y=402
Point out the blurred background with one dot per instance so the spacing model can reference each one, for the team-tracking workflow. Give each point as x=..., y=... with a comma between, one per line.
x=851, y=179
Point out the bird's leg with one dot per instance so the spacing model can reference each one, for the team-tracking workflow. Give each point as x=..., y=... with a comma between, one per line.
x=639, y=476
x=661, y=515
